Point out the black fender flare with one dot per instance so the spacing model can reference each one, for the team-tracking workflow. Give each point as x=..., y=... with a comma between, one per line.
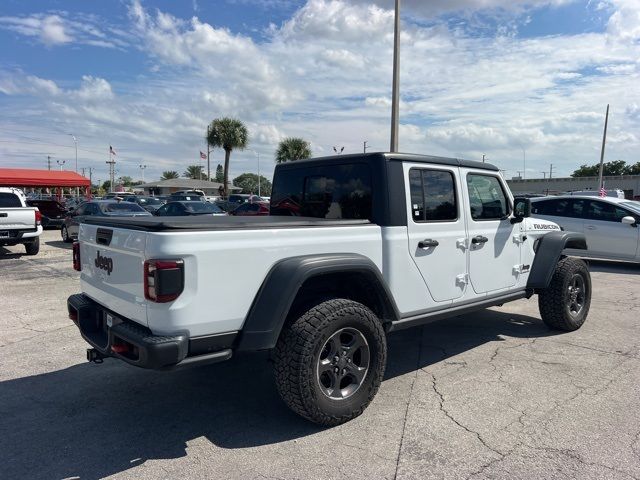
x=549, y=250
x=273, y=301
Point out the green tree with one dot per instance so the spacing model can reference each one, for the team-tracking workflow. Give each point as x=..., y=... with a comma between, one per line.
x=194, y=172
x=106, y=185
x=169, y=174
x=219, y=174
x=616, y=167
x=291, y=149
x=228, y=134
x=125, y=180
x=248, y=182
x=633, y=169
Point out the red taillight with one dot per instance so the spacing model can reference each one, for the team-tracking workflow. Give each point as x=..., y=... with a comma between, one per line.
x=163, y=280
x=76, y=256
x=38, y=217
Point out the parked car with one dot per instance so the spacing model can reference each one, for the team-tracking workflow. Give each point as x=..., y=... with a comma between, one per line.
x=98, y=208
x=255, y=208
x=180, y=193
x=53, y=212
x=610, y=224
x=186, y=208
x=19, y=223
x=321, y=291
x=186, y=198
x=150, y=204
x=614, y=192
x=233, y=202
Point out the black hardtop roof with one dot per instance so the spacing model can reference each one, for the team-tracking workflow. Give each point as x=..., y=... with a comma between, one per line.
x=390, y=157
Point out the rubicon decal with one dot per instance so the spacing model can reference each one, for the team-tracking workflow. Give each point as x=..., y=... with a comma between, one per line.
x=537, y=226
x=104, y=263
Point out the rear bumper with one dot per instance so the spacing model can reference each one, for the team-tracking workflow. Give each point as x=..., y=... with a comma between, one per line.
x=114, y=336
x=18, y=236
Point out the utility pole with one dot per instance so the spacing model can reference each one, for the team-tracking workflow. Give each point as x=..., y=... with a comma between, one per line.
x=483, y=157
x=257, y=153
x=49, y=162
x=364, y=146
x=395, y=94
x=544, y=175
x=142, y=167
x=524, y=163
x=604, y=141
x=112, y=169
x=550, y=171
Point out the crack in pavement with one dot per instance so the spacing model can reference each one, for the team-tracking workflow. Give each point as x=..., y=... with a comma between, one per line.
x=406, y=412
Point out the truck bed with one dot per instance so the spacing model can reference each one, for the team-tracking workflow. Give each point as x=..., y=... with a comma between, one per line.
x=194, y=223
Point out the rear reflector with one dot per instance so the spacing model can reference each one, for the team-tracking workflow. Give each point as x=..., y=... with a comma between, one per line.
x=76, y=256
x=163, y=280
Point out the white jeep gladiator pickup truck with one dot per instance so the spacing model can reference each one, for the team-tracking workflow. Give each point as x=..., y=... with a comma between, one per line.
x=356, y=246
x=19, y=224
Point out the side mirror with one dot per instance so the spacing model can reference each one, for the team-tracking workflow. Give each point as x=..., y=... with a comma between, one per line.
x=521, y=209
x=629, y=220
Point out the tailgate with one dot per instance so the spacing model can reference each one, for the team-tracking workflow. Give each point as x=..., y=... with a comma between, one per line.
x=112, y=269
x=23, y=218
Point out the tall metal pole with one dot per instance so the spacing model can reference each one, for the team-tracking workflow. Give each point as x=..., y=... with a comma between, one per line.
x=395, y=95
x=604, y=141
x=524, y=163
x=208, y=153
x=75, y=141
x=258, y=173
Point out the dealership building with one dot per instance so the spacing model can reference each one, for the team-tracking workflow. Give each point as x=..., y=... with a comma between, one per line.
x=630, y=184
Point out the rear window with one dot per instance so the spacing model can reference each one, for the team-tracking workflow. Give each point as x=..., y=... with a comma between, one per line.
x=332, y=191
x=202, y=207
x=121, y=207
x=9, y=200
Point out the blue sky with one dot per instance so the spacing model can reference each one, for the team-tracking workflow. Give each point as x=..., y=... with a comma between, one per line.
x=490, y=77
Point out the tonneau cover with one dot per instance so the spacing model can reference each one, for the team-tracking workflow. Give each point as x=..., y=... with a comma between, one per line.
x=161, y=224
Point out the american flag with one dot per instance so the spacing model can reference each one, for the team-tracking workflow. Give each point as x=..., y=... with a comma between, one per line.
x=603, y=192
x=111, y=150
x=203, y=155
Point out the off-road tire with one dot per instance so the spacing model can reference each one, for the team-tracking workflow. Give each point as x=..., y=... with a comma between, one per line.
x=64, y=232
x=555, y=301
x=297, y=353
x=33, y=248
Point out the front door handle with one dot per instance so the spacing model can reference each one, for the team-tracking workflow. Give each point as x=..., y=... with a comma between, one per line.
x=428, y=243
x=479, y=239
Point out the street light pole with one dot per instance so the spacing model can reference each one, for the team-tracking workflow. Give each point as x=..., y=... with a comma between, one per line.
x=142, y=167
x=395, y=95
x=524, y=162
x=75, y=141
x=60, y=163
x=257, y=153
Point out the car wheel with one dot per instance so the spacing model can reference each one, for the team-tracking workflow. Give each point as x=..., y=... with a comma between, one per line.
x=564, y=305
x=66, y=238
x=33, y=248
x=330, y=361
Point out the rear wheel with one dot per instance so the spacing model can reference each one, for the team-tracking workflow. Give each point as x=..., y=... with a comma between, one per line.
x=565, y=304
x=329, y=363
x=66, y=238
x=33, y=248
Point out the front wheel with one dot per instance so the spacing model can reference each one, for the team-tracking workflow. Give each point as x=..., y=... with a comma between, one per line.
x=66, y=238
x=564, y=304
x=329, y=363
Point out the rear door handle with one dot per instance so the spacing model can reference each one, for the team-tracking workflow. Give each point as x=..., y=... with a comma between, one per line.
x=479, y=239
x=428, y=243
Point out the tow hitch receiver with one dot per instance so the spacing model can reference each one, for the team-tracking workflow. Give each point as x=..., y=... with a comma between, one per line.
x=95, y=356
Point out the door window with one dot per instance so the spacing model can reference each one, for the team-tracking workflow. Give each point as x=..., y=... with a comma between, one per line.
x=487, y=199
x=605, y=212
x=562, y=207
x=433, y=195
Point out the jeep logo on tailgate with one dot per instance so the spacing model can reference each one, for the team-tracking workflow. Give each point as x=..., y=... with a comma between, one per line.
x=104, y=263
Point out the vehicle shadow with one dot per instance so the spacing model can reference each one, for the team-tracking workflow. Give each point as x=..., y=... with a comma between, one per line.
x=91, y=421
x=6, y=253
x=614, y=267
x=59, y=244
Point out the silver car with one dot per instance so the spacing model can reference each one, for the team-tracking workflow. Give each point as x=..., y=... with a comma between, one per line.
x=610, y=224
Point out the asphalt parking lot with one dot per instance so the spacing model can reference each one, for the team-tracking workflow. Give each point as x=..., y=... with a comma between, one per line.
x=489, y=395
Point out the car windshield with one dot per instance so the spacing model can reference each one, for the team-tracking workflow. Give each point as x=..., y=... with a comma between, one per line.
x=149, y=201
x=634, y=206
x=202, y=207
x=121, y=207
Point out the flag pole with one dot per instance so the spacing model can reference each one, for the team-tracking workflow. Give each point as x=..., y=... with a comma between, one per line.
x=604, y=141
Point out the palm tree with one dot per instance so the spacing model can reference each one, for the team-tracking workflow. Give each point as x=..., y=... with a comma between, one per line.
x=168, y=175
x=227, y=133
x=292, y=148
x=194, y=172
